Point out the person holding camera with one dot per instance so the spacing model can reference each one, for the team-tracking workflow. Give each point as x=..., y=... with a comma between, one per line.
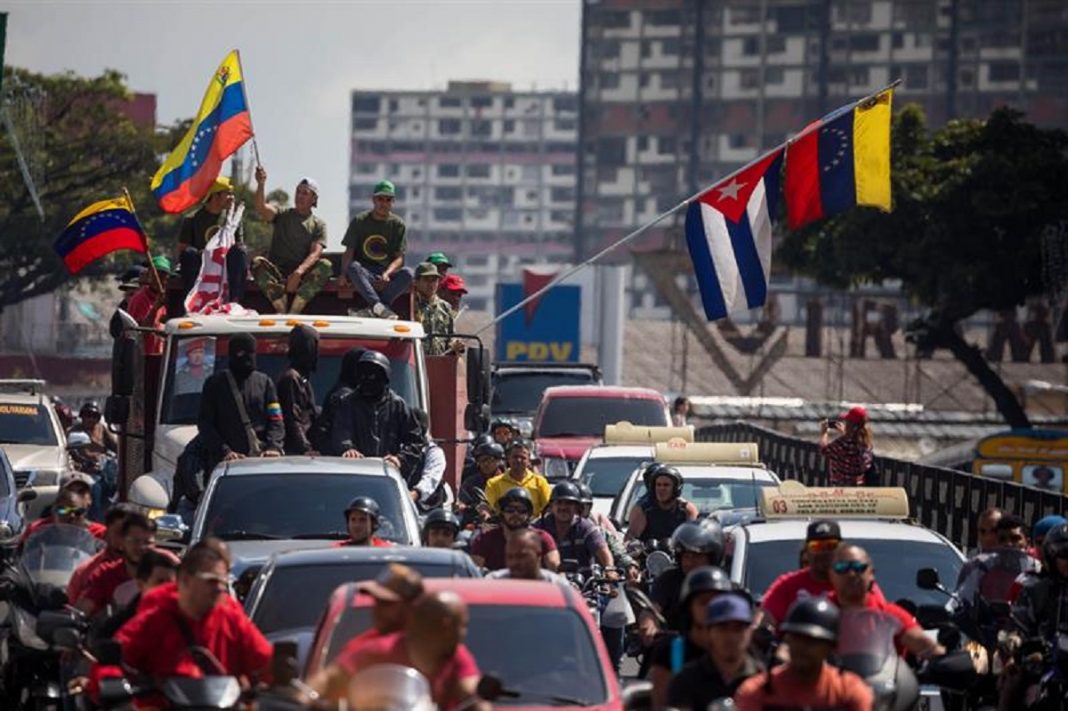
x=849, y=456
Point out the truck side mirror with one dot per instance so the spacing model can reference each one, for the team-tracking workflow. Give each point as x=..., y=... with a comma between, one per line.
x=478, y=376
x=122, y=366
x=476, y=417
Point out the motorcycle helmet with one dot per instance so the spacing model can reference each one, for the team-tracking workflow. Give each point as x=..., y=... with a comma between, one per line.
x=504, y=422
x=1045, y=525
x=812, y=617
x=366, y=504
x=374, y=359
x=1054, y=546
x=655, y=471
x=441, y=518
x=566, y=491
x=489, y=449
x=707, y=578
x=586, y=493
x=89, y=408
x=516, y=495
x=705, y=537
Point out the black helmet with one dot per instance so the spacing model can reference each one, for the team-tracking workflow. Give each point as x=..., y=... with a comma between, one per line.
x=707, y=578
x=504, y=422
x=366, y=504
x=585, y=492
x=374, y=359
x=441, y=518
x=89, y=408
x=489, y=449
x=1054, y=545
x=566, y=491
x=657, y=470
x=516, y=494
x=704, y=537
x=812, y=617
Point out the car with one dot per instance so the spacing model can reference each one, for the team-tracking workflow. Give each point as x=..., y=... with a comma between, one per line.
x=717, y=477
x=571, y=419
x=607, y=467
x=263, y=505
x=518, y=387
x=32, y=438
x=509, y=619
x=310, y=576
x=11, y=520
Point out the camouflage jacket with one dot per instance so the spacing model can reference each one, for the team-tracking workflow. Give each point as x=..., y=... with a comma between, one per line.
x=437, y=319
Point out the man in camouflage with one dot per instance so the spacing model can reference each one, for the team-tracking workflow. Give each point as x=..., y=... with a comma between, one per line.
x=432, y=311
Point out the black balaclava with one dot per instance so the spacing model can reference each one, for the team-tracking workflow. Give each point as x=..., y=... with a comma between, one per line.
x=304, y=349
x=372, y=375
x=347, y=377
x=242, y=355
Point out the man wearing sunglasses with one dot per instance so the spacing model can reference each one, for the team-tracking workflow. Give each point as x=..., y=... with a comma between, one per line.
x=71, y=508
x=115, y=582
x=853, y=577
x=374, y=254
x=488, y=547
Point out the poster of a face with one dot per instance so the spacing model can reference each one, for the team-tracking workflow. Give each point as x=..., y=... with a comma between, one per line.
x=194, y=363
x=1044, y=476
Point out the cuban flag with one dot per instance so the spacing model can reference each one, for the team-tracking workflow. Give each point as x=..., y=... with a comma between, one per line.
x=728, y=233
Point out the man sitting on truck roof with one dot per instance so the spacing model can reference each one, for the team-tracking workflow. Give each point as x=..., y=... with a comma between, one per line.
x=294, y=264
x=197, y=230
x=374, y=254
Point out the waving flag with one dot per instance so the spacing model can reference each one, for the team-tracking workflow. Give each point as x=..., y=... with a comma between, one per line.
x=728, y=232
x=98, y=230
x=211, y=289
x=222, y=125
x=840, y=161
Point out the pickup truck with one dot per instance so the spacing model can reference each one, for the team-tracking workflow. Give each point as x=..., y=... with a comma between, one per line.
x=518, y=387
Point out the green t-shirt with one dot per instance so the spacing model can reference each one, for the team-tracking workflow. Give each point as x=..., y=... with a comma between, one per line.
x=375, y=242
x=198, y=229
x=293, y=238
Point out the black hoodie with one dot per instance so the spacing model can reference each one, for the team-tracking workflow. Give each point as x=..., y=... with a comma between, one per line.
x=295, y=391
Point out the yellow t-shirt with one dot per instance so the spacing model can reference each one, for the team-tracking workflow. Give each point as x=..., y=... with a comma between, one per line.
x=534, y=483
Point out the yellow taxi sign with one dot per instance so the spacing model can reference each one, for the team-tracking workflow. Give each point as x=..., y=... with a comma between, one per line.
x=625, y=433
x=678, y=450
x=792, y=499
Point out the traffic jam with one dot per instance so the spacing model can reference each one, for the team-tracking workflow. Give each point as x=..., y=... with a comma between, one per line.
x=310, y=511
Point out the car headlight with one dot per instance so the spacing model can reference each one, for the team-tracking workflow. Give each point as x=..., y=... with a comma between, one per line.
x=555, y=468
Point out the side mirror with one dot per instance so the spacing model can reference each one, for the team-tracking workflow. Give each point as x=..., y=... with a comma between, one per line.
x=927, y=579
x=122, y=366
x=114, y=691
x=26, y=495
x=67, y=638
x=51, y=622
x=243, y=584
x=491, y=688
x=284, y=662
x=478, y=377
x=117, y=410
x=637, y=696
x=476, y=417
x=171, y=527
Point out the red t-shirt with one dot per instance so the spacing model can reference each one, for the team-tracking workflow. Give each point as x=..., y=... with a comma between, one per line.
x=153, y=643
x=102, y=583
x=390, y=649
x=489, y=545
x=834, y=689
x=375, y=542
x=140, y=307
x=76, y=586
x=96, y=530
x=788, y=587
x=354, y=644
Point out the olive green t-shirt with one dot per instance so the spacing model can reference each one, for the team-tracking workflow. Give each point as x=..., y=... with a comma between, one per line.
x=292, y=239
x=375, y=242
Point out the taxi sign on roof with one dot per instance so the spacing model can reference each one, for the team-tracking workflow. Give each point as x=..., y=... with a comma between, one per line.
x=626, y=433
x=792, y=499
x=676, y=450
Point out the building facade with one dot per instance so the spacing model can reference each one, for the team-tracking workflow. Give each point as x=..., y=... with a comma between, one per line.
x=484, y=173
x=676, y=94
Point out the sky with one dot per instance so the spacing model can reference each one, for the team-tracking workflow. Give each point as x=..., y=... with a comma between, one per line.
x=301, y=60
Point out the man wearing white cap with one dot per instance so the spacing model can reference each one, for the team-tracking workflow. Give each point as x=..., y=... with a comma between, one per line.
x=294, y=265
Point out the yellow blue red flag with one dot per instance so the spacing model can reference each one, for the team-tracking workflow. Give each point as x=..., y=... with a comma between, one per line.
x=222, y=125
x=98, y=230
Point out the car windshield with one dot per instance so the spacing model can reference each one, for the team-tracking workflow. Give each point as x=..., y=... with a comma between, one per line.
x=519, y=393
x=26, y=424
x=571, y=671
x=896, y=563
x=313, y=584
x=587, y=416
x=299, y=504
x=606, y=476
x=190, y=366
x=710, y=495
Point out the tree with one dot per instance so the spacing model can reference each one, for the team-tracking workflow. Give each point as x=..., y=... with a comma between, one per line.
x=972, y=203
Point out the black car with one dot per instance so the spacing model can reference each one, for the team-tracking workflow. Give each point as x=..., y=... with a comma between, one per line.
x=289, y=594
x=518, y=387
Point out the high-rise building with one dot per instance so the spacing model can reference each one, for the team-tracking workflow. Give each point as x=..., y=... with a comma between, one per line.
x=677, y=93
x=484, y=173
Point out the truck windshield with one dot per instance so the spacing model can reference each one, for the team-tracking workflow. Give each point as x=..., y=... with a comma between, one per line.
x=192, y=360
x=519, y=393
x=587, y=416
x=26, y=424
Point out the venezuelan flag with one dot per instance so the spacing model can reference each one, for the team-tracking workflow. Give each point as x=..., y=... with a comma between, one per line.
x=222, y=125
x=100, y=229
x=840, y=161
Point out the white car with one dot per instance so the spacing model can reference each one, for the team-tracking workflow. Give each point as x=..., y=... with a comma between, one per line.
x=606, y=469
x=31, y=436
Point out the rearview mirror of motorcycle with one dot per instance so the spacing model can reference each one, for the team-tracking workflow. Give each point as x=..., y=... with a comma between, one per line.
x=26, y=495
x=927, y=579
x=489, y=688
x=171, y=527
x=67, y=638
x=51, y=622
x=637, y=696
x=114, y=691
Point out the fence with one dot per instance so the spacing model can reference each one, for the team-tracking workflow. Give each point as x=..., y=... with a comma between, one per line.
x=945, y=500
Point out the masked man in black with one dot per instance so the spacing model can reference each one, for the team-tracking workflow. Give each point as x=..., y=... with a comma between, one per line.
x=295, y=391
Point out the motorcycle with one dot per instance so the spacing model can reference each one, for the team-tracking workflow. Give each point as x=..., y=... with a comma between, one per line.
x=866, y=648
x=32, y=586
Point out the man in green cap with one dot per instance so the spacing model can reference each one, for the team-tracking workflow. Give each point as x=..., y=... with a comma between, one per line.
x=197, y=230
x=439, y=260
x=147, y=306
x=294, y=263
x=432, y=311
x=374, y=254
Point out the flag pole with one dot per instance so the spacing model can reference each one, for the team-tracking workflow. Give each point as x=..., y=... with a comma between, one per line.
x=244, y=92
x=668, y=213
x=148, y=253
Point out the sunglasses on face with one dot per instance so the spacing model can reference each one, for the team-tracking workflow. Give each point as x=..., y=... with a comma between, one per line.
x=822, y=546
x=850, y=566
x=514, y=510
x=383, y=198
x=64, y=511
x=212, y=577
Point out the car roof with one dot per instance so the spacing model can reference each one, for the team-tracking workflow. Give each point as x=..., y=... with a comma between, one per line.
x=347, y=555
x=483, y=591
x=636, y=451
x=297, y=465
x=605, y=391
x=22, y=398
x=727, y=471
x=327, y=326
x=795, y=530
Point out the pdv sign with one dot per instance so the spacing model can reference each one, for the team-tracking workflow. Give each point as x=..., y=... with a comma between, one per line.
x=545, y=330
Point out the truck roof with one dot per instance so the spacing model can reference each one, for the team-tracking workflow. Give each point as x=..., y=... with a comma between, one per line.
x=606, y=391
x=195, y=325
x=301, y=464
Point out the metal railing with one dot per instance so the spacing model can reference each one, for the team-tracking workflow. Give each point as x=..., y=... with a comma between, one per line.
x=944, y=500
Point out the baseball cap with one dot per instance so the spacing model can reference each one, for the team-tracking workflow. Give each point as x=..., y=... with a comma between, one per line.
x=426, y=269
x=385, y=187
x=856, y=415
x=76, y=480
x=823, y=530
x=221, y=185
x=439, y=258
x=162, y=264
x=129, y=280
x=728, y=607
x=310, y=183
x=395, y=583
x=453, y=282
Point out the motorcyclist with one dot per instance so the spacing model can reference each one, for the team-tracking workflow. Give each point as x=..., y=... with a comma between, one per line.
x=112, y=551
x=470, y=464
x=991, y=577
x=440, y=529
x=91, y=422
x=694, y=544
x=522, y=554
x=362, y=518
x=612, y=537
x=1039, y=532
x=519, y=474
x=72, y=508
x=599, y=519
x=489, y=459
x=504, y=431
x=156, y=567
x=807, y=680
x=662, y=509
x=576, y=537
x=114, y=582
x=488, y=547
x=1035, y=612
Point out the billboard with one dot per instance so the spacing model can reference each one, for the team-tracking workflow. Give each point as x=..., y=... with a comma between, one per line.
x=544, y=331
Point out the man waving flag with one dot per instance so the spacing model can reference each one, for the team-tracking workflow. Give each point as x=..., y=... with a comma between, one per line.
x=222, y=125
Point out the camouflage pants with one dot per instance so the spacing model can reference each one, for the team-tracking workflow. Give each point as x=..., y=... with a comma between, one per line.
x=273, y=285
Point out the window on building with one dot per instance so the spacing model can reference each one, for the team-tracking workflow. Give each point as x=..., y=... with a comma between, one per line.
x=415, y=217
x=643, y=143
x=563, y=169
x=364, y=124
x=1004, y=71
x=448, y=170
x=670, y=46
x=607, y=174
x=393, y=106
x=447, y=192
x=855, y=12
x=662, y=17
x=643, y=79
x=612, y=150
x=509, y=102
x=647, y=49
x=837, y=75
x=481, y=102
x=916, y=76
x=610, y=211
x=480, y=128
x=751, y=46
x=864, y=43
x=897, y=40
x=416, y=193
x=407, y=146
x=966, y=78
x=378, y=148
x=563, y=104
x=776, y=44
x=743, y=15
x=749, y=79
x=859, y=76
x=666, y=144
x=509, y=125
x=565, y=124
x=564, y=216
x=417, y=173
x=449, y=127
x=447, y=214
x=669, y=80
x=450, y=102
x=609, y=80
x=561, y=195
x=478, y=170
x=366, y=103
x=365, y=168
x=789, y=19
x=738, y=140
x=615, y=19
x=774, y=75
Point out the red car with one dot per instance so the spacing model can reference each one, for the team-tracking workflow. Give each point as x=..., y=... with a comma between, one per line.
x=571, y=419
x=538, y=638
